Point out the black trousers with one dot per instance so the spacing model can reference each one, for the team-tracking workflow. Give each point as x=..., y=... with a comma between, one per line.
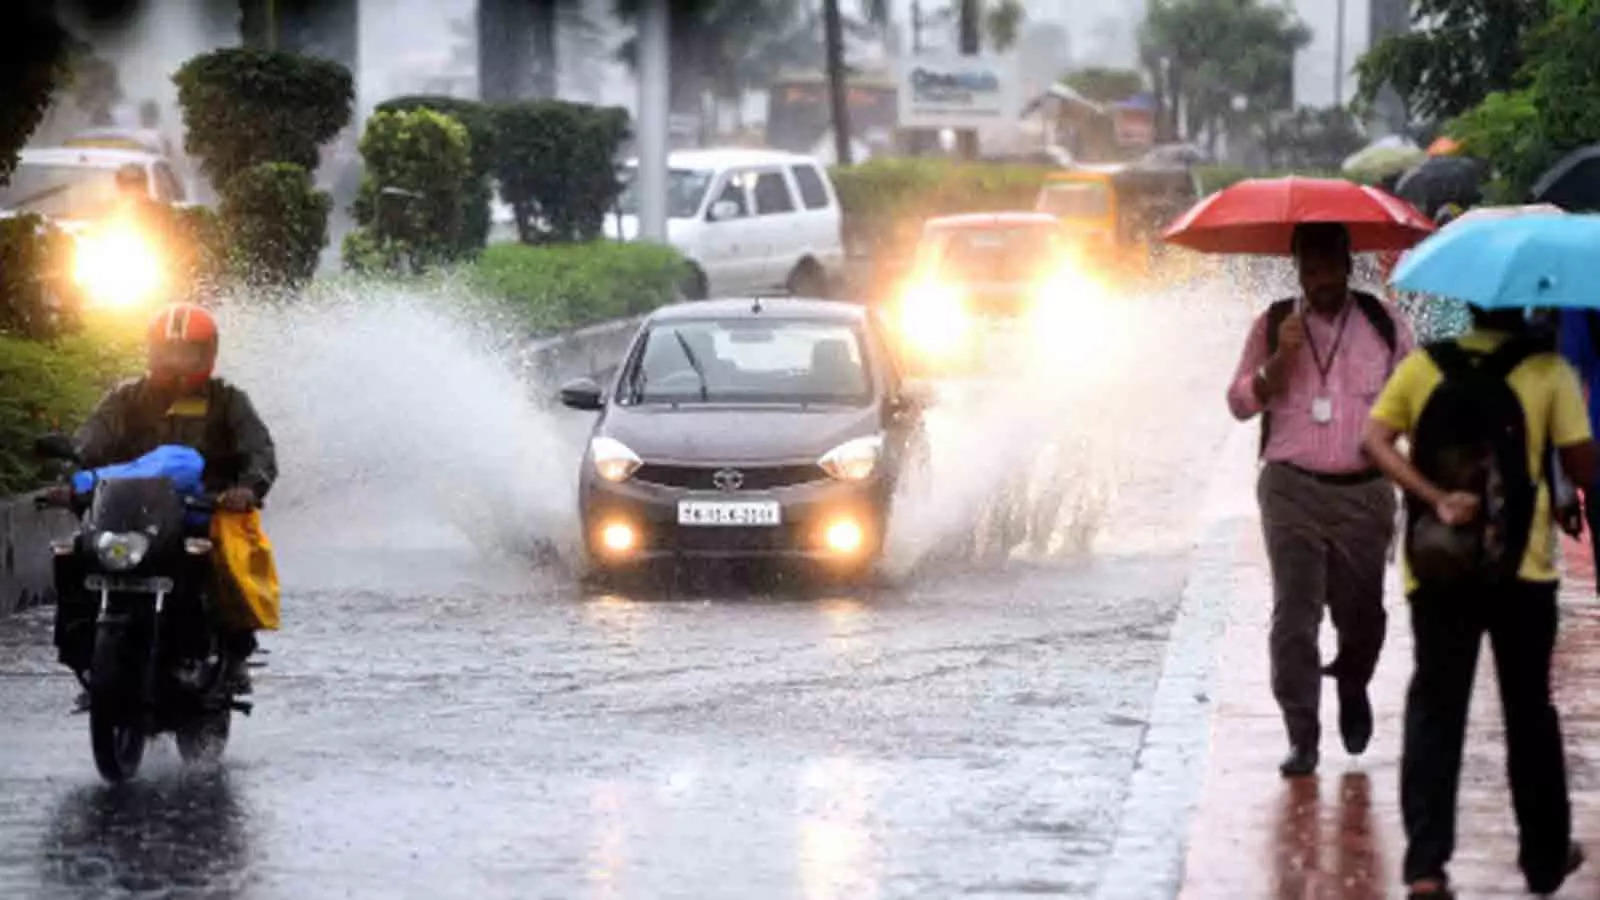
x=1327, y=545
x=1447, y=629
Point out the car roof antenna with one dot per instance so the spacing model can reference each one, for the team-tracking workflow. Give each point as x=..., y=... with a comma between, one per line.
x=755, y=306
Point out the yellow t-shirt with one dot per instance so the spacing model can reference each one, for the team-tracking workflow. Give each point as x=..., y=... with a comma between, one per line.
x=1552, y=403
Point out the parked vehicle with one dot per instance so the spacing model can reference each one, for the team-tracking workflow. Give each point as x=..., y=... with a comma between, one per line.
x=1118, y=212
x=773, y=429
x=748, y=221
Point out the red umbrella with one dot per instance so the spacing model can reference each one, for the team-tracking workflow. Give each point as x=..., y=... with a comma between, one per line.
x=1259, y=215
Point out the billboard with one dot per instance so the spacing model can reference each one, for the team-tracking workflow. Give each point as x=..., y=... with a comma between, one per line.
x=958, y=91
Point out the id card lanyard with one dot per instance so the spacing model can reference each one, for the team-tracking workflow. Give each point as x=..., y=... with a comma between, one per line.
x=1322, y=403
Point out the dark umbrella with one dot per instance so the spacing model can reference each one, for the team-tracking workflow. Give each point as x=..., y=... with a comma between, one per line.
x=1573, y=183
x=1439, y=180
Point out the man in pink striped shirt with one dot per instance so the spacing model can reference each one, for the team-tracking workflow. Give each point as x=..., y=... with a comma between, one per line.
x=1312, y=368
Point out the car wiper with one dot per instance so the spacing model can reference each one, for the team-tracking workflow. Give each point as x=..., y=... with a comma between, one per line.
x=694, y=363
x=37, y=196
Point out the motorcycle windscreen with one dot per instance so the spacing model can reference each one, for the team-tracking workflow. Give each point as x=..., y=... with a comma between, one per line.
x=138, y=504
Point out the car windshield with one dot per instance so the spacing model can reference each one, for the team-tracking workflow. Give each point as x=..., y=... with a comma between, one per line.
x=686, y=188
x=748, y=361
x=1075, y=199
x=65, y=192
x=997, y=254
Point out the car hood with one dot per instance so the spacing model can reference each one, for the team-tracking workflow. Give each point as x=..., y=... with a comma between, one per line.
x=744, y=434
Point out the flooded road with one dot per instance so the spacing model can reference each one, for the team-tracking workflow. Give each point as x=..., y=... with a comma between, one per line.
x=442, y=718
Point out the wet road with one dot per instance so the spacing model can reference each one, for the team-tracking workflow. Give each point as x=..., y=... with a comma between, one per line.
x=435, y=722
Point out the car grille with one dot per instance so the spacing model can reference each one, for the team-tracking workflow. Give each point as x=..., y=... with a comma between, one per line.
x=751, y=478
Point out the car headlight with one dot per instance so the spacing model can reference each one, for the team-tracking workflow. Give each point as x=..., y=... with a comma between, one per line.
x=121, y=551
x=613, y=461
x=117, y=266
x=933, y=317
x=853, y=460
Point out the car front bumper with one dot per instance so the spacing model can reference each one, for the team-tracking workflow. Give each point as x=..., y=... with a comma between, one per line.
x=808, y=513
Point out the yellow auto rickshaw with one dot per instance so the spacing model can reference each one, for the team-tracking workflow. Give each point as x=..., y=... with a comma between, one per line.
x=1119, y=212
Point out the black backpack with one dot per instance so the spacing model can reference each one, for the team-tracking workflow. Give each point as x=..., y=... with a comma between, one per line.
x=1370, y=306
x=1472, y=436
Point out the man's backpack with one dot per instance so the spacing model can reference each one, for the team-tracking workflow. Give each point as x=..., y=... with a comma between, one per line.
x=1371, y=307
x=1472, y=437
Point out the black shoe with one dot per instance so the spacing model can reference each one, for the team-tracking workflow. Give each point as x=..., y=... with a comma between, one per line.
x=1355, y=717
x=1302, y=760
x=238, y=676
x=1438, y=890
x=1575, y=860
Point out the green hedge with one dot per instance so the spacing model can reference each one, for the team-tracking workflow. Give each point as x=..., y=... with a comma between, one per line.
x=36, y=300
x=570, y=285
x=410, y=206
x=886, y=201
x=479, y=121
x=276, y=223
x=554, y=161
x=52, y=385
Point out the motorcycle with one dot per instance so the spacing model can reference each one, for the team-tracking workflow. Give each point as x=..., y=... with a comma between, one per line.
x=133, y=620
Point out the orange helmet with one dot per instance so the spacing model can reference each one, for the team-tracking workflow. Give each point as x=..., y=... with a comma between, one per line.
x=183, y=346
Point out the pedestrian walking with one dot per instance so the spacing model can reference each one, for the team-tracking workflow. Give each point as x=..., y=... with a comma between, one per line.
x=1311, y=368
x=1480, y=413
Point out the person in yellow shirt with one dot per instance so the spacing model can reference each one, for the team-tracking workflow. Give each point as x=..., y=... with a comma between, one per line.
x=1481, y=413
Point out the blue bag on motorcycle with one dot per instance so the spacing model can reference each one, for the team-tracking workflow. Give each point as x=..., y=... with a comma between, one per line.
x=184, y=466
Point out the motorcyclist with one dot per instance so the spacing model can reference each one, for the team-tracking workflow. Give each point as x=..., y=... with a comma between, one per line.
x=178, y=401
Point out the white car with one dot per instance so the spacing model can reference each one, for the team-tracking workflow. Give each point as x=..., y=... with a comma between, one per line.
x=748, y=221
x=76, y=185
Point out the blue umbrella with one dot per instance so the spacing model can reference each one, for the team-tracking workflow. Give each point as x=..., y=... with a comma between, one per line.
x=1509, y=263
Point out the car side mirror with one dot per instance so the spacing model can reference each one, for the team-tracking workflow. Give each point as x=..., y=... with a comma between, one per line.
x=722, y=210
x=55, y=446
x=582, y=393
x=915, y=396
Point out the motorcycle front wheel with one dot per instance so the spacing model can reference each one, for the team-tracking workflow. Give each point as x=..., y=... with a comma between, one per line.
x=116, y=731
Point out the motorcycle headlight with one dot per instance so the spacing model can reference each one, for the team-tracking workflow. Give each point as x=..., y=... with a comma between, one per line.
x=853, y=460
x=117, y=266
x=613, y=461
x=121, y=551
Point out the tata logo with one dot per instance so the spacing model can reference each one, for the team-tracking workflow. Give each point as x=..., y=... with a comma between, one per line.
x=728, y=479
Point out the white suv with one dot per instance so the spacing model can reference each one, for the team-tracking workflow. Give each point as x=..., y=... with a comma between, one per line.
x=747, y=221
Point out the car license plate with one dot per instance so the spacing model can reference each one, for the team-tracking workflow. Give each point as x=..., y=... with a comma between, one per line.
x=120, y=585
x=746, y=513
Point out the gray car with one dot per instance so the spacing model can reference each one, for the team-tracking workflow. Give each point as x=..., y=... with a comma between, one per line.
x=773, y=429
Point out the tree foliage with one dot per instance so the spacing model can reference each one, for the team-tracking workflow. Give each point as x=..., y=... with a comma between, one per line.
x=36, y=60
x=243, y=107
x=1207, y=52
x=276, y=224
x=1555, y=109
x=476, y=195
x=1311, y=139
x=35, y=300
x=1105, y=85
x=1458, y=52
x=554, y=161
x=417, y=171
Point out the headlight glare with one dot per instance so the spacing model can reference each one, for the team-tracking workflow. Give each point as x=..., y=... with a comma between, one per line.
x=853, y=460
x=933, y=318
x=613, y=461
x=121, y=551
x=117, y=266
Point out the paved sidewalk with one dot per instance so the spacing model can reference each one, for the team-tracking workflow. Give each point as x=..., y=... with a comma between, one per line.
x=1338, y=835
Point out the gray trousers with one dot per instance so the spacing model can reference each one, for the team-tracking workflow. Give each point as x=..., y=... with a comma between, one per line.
x=1327, y=545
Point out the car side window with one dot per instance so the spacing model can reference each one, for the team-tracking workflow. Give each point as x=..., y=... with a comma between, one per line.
x=772, y=194
x=168, y=188
x=812, y=191
x=733, y=192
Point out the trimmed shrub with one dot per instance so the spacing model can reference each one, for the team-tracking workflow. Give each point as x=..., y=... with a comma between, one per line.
x=558, y=287
x=275, y=223
x=37, y=299
x=410, y=203
x=475, y=198
x=243, y=107
x=886, y=201
x=555, y=163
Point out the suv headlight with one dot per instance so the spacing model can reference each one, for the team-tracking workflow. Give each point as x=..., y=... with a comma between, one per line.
x=853, y=460
x=613, y=461
x=121, y=551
